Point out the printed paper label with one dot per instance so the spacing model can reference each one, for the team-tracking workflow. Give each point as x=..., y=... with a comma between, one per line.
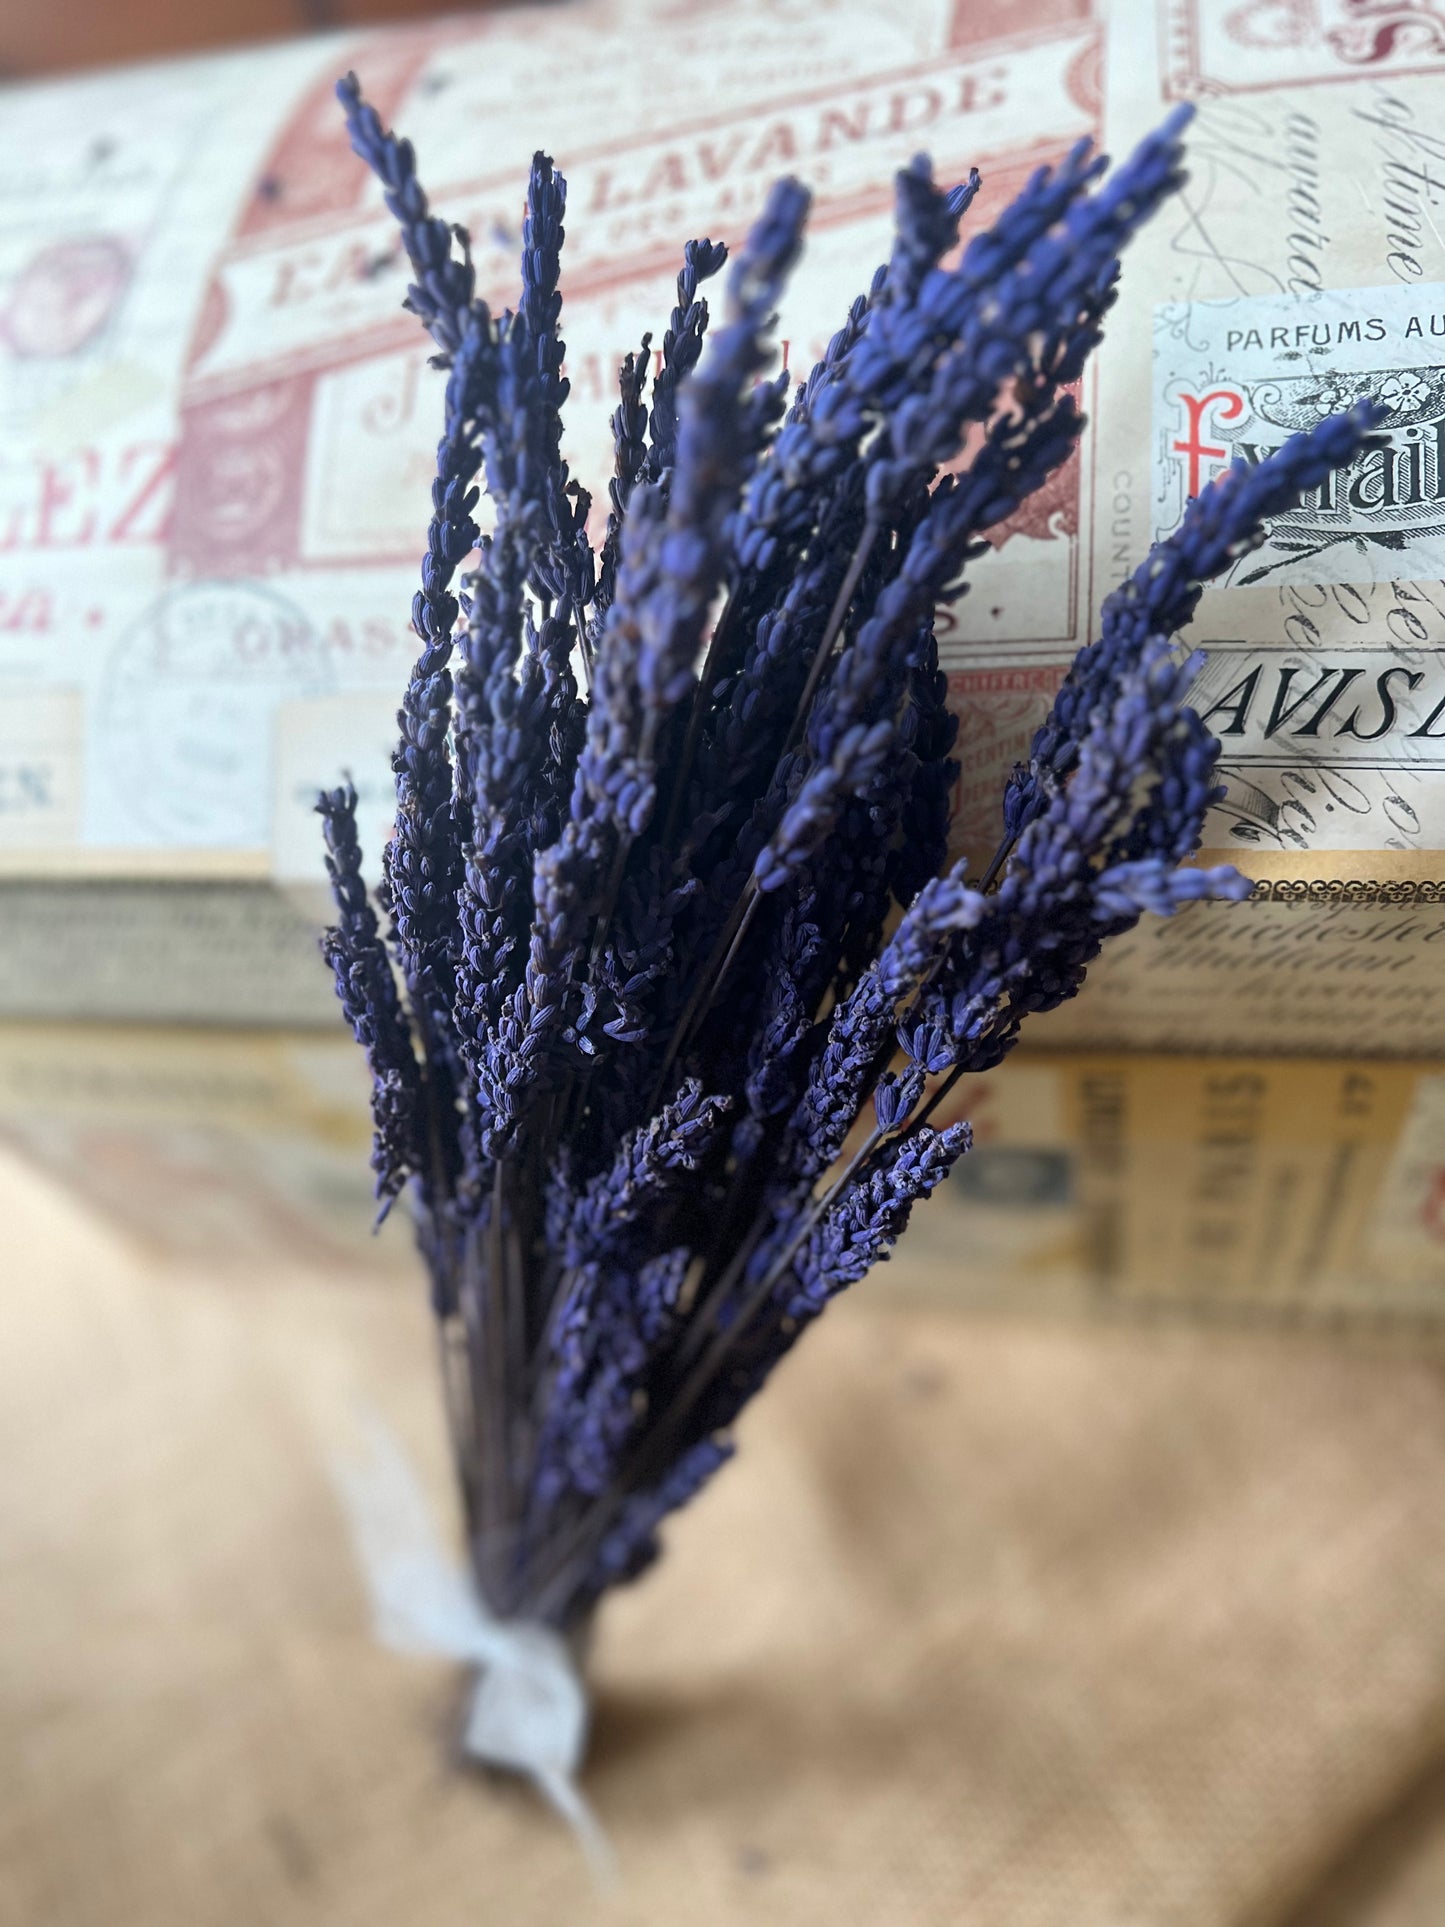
x=1407, y=1236
x=1235, y=379
x=1301, y=265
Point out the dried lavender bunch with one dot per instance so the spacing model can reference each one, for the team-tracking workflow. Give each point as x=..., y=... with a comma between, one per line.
x=659, y=1073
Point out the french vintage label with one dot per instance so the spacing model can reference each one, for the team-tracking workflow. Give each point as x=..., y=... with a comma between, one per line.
x=1300, y=268
x=1331, y=707
x=137, y=951
x=1229, y=1186
x=1233, y=380
x=1334, y=964
x=221, y=427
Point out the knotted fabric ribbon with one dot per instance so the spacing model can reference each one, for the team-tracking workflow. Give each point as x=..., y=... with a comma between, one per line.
x=528, y=1712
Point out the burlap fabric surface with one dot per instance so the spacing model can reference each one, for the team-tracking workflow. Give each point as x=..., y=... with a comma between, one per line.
x=989, y=1624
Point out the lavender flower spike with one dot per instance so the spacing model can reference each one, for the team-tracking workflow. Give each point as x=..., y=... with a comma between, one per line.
x=367, y=991
x=442, y=293
x=1223, y=523
x=672, y=554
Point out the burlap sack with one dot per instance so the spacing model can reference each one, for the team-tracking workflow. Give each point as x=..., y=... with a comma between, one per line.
x=989, y=1624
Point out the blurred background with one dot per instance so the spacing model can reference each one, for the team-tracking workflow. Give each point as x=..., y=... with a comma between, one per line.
x=89, y=33
x=1088, y=1565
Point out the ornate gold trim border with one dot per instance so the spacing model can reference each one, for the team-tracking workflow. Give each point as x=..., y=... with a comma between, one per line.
x=1364, y=891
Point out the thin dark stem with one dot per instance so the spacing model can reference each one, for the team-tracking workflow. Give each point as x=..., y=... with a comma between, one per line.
x=708, y=1300
x=917, y=1123
x=821, y=1206
x=751, y=903
x=433, y=1066
x=717, y=648
x=837, y=616
x=461, y=1424
x=609, y=902
x=706, y=1311
x=1000, y=857
x=718, y=643
x=481, y=1418
x=515, y=1298
x=713, y=971
x=645, y=752
x=494, y=1360
x=881, y=1058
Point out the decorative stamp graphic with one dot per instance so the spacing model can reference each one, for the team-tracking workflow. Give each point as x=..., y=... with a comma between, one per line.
x=65, y=295
x=1240, y=46
x=243, y=461
x=1234, y=379
x=186, y=713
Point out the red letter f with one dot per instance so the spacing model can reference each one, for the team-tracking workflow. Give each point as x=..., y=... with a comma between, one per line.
x=1193, y=446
